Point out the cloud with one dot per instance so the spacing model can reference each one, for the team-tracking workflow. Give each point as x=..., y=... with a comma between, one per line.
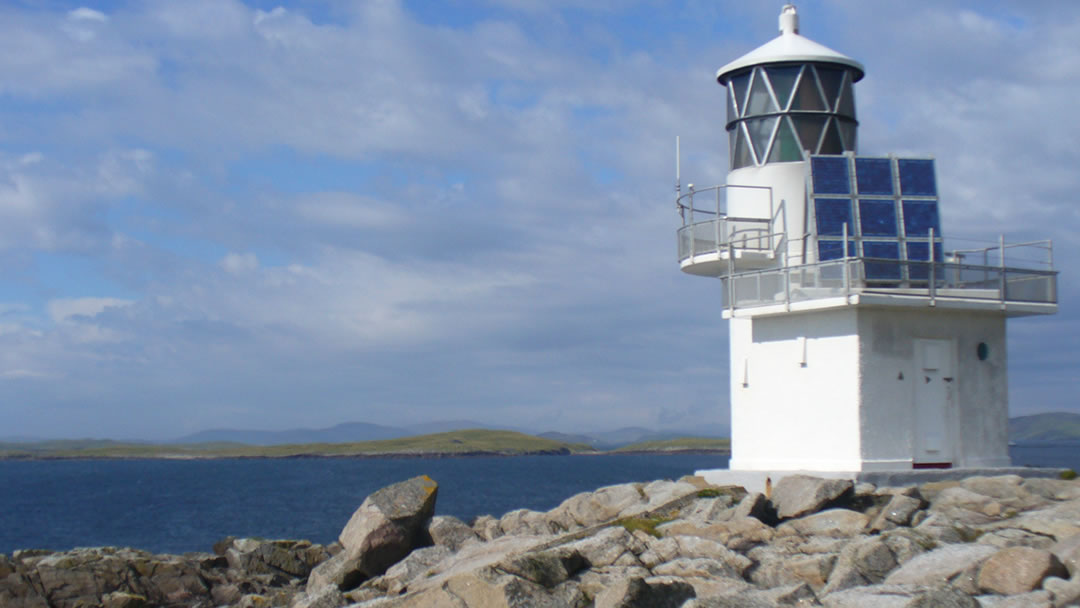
x=68, y=309
x=306, y=216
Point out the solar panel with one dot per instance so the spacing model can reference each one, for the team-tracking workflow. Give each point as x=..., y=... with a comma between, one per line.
x=920, y=217
x=874, y=176
x=877, y=217
x=917, y=177
x=884, y=222
x=830, y=174
x=833, y=250
x=831, y=214
x=883, y=250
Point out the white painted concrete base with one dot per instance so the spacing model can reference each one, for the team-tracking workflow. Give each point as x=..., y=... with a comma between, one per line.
x=755, y=481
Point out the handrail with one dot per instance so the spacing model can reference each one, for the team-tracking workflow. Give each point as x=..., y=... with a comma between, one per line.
x=936, y=281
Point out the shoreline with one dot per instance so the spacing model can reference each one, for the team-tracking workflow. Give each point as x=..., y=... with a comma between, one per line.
x=368, y=456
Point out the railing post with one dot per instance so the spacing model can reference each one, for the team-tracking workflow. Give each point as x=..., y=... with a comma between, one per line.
x=787, y=281
x=1001, y=245
x=847, y=271
x=731, y=280
x=933, y=271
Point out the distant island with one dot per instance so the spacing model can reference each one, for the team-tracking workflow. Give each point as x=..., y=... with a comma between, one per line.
x=1053, y=426
x=471, y=442
x=436, y=439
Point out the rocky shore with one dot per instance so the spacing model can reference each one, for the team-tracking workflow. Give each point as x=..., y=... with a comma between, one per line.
x=999, y=542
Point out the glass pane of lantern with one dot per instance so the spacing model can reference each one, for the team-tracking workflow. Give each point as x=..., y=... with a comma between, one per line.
x=807, y=96
x=731, y=113
x=831, y=79
x=783, y=79
x=761, y=130
x=785, y=148
x=847, y=100
x=830, y=216
x=741, y=156
x=882, y=250
x=920, y=217
x=877, y=218
x=830, y=175
x=809, y=128
x=874, y=176
x=917, y=177
x=738, y=86
x=760, y=101
x=848, y=131
x=831, y=142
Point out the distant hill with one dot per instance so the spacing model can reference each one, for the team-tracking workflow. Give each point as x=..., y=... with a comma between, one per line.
x=466, y=442
x=1053, y=426
x=349, y=432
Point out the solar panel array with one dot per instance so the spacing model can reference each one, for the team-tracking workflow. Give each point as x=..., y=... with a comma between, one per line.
x=889, y=205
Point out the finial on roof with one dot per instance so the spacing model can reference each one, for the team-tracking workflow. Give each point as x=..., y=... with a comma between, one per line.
x=789, y=20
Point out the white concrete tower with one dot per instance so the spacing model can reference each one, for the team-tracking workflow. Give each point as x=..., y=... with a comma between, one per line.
x=858, y=343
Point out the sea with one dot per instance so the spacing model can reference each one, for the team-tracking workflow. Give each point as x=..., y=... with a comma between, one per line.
x=179, y=506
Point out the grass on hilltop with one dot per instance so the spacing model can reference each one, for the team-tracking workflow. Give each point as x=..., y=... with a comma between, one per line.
x=454, y=442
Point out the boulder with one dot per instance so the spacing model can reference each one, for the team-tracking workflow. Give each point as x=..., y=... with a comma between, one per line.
x=487, y=587
x=606, y=547
x=897, y=512
x=327, y=597
x=595, y=580
x=1018, y=570
x=837, y=523
x=1065, y=592
x=450, y=532
x=487, y=527
x=388, y=525
x=545, y=568
x=798, y=495
x=291, y=558
x=121, y=599
x=339, y=572
x=524, y=521
x=663, y=492
x=938, y=567
x=865, y=561
x=603, y=505
x=1052, y=489
x=645, y=593
x=417, y=563
x=757, y=506
x=1034, y=599
x=1068, y=551
x=872, y=596
x=740, y=534
x=943, y=598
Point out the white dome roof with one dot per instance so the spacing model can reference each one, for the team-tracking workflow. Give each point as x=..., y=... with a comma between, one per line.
x=789, y=47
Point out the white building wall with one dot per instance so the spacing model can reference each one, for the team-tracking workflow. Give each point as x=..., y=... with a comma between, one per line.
x=798, y=408
x=978, y=412
x=834, y=390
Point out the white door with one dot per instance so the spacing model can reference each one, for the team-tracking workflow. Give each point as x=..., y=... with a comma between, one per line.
x=933, y=397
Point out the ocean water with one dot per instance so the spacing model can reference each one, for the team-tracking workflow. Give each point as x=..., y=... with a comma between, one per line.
x=175, y=506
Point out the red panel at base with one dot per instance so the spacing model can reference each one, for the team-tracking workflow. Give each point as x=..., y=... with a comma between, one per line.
x=931, y=465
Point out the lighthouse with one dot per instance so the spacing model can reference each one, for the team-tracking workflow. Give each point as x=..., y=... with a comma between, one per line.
x=861, y=338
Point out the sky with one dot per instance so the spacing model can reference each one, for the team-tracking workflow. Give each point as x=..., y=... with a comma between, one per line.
x=264, y=215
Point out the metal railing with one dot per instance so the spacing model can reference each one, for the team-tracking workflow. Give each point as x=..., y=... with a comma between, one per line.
x=930, y=280
x=721, y=233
